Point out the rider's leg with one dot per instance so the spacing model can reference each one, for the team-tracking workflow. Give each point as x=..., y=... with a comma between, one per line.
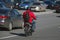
x=33, y=25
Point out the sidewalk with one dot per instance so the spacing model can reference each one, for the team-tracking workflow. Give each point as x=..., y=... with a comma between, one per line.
x=47, y=12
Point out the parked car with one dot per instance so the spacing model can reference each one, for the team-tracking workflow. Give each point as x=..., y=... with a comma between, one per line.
x=57, y=6
x=16, y=4
x=2, y=5
x=50, y=4
x=10, y=19
x=25, y=5
x=9, y=4
x=37, y=7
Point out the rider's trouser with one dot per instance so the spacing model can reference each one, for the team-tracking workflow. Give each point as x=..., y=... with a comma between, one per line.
x=33, y=25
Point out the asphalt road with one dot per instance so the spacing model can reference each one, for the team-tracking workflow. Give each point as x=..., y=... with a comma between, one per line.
x=47, y=28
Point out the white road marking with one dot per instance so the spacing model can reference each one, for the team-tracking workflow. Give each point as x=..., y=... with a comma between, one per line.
x=43, y=13
x=8, y=37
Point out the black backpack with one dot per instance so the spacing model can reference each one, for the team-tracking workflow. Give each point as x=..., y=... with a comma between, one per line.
x=27, y=17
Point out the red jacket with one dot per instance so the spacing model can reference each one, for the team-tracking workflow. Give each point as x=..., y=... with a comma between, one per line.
x=31, y=14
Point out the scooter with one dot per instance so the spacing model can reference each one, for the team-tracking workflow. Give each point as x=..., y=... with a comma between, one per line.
x=28, y=29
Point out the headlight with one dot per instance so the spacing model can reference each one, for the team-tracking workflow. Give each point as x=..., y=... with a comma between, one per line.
x=26, y=6
x=2, y=21
x=17, y=3
x=37, y=8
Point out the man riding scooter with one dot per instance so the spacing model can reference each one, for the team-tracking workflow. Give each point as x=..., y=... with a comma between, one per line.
x=32, y=17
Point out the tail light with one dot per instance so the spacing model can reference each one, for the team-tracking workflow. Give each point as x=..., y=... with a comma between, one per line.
x=3, y=17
